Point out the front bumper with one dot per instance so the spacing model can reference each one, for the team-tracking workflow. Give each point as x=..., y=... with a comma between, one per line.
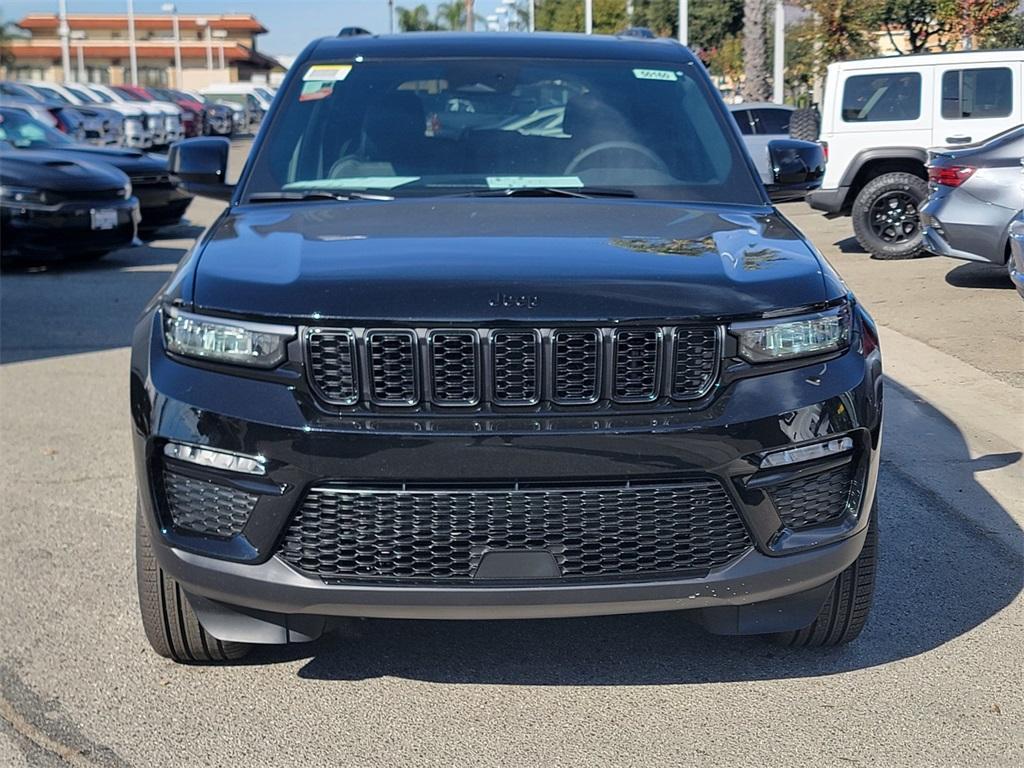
x=305, y=447
x=828, y=200
x=66, y=229
x=161, y=203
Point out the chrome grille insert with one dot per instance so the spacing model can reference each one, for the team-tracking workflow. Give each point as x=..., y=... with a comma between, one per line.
x=637, y=355
x=394, y=369
x=454, y=367
x=695, y=364
x=331, y=357
x=515, y=367
x=576, y=359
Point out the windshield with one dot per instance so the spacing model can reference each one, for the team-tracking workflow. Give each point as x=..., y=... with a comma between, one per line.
x=84, y=95
x=448, y=126
x=49, y=93
x=131, y=95
x=106, y=98
x=20, y=130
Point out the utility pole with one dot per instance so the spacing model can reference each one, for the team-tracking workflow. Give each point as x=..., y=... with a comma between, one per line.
x=173, y=10
x=779, y=65
x=132, y=56
x=684, y=22
x=64, y=31
x=588, y=13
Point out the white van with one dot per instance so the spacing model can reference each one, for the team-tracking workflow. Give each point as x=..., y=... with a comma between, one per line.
x=878, y=120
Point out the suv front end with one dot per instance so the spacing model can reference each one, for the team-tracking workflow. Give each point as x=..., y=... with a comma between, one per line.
x=513, y=397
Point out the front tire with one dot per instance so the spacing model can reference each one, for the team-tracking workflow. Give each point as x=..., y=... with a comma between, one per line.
x=844, y=614
x=171, y=626
x=886, y=218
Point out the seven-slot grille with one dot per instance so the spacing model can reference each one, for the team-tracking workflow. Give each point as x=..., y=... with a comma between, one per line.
x=442, y=535
x=512, y=367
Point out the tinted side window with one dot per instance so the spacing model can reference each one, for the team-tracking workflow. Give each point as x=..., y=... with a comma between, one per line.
x=882, y=97
x=743, y=120
x=970, y=93
x=773, y=121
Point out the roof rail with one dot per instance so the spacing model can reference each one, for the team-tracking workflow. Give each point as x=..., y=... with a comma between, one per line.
x=353, y=32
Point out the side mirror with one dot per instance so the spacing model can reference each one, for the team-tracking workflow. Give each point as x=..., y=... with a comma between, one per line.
x=797, y=167
x=201, y=166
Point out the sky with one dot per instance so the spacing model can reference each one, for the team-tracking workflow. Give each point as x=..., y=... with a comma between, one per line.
x=292, y=23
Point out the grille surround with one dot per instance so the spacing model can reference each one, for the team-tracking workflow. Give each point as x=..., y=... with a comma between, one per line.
x=570, y=367
x=437, y=535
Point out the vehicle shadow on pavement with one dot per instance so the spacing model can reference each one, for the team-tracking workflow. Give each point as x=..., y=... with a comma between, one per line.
x=972, y=274
x=940, y=576
x=66, y=308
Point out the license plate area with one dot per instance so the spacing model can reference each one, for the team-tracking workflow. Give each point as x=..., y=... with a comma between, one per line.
x=103, y=218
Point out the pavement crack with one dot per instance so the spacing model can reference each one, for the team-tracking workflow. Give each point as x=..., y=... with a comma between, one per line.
x=35, y=721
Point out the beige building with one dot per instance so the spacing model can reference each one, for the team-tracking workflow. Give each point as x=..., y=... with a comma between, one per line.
x=214, y=48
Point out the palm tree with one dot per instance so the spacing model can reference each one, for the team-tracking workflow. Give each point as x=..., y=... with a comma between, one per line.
x=451, y=15
x=415, y=19
x=756, y=86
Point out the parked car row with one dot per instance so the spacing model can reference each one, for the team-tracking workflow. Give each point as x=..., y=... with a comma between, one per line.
x=141, y=117
x=60, y=197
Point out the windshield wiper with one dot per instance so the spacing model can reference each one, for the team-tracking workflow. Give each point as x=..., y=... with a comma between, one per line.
x=577, y=192
x=314, y=194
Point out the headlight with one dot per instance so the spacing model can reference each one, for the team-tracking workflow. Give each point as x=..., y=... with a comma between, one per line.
x=226, y=341
x=127, y=191
x=22, y=195
x=784, y=338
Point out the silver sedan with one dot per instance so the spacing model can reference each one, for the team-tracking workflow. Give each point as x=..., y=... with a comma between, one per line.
x=976, y=192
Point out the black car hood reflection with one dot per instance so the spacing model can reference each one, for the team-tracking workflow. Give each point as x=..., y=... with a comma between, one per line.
x=57, y=171
x=528, y=260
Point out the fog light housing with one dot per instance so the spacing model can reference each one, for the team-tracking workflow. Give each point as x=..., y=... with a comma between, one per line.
x=807, y=453
x=209, y=457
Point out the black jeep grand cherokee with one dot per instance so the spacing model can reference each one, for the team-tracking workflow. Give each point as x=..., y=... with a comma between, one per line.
x=501, y=327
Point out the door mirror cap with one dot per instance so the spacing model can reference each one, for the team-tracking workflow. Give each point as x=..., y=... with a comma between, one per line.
x=200, y=166
x=797, y=168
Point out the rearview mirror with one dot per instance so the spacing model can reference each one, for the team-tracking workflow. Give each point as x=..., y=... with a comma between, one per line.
x=797, y=167
x=201, y=166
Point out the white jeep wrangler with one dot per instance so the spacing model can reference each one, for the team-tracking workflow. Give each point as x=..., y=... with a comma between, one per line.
x=879, y=118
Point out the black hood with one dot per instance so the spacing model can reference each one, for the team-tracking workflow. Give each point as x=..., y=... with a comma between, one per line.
x=131, y=161
x=57, y=172
x=518, y=259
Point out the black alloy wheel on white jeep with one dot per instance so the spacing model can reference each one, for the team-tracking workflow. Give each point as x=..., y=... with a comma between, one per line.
x=886, y=219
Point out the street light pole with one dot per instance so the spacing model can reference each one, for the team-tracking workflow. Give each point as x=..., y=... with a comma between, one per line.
x=684, y=22
x=533, y=16
x=588, y=16
x=132, y=57
x=64, y=31
x=78, y=36
x=779, y=65
x=173, y=10
x=391, y=16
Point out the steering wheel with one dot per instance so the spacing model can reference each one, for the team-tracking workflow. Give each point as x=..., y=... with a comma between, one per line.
x=609, y=146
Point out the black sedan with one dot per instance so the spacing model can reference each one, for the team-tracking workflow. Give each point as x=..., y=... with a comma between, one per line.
x=161, y=202
x=52, y=205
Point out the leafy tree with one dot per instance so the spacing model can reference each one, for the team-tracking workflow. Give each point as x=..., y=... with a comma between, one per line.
x=415, y=19
x=568, y=16
x=969, y=19
x=726, y=59
x=837, y=29
x=919, y=19
x=756, y=86
x=710, y=22
x=1008, y=32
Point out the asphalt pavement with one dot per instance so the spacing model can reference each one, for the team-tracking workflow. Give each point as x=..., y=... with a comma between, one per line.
x=935, y=680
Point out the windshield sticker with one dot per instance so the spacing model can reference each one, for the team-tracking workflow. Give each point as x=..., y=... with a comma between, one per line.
x=315, y=89
x=520, y=182
x=655, y=74
x=327, y=73
x=319, y=80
